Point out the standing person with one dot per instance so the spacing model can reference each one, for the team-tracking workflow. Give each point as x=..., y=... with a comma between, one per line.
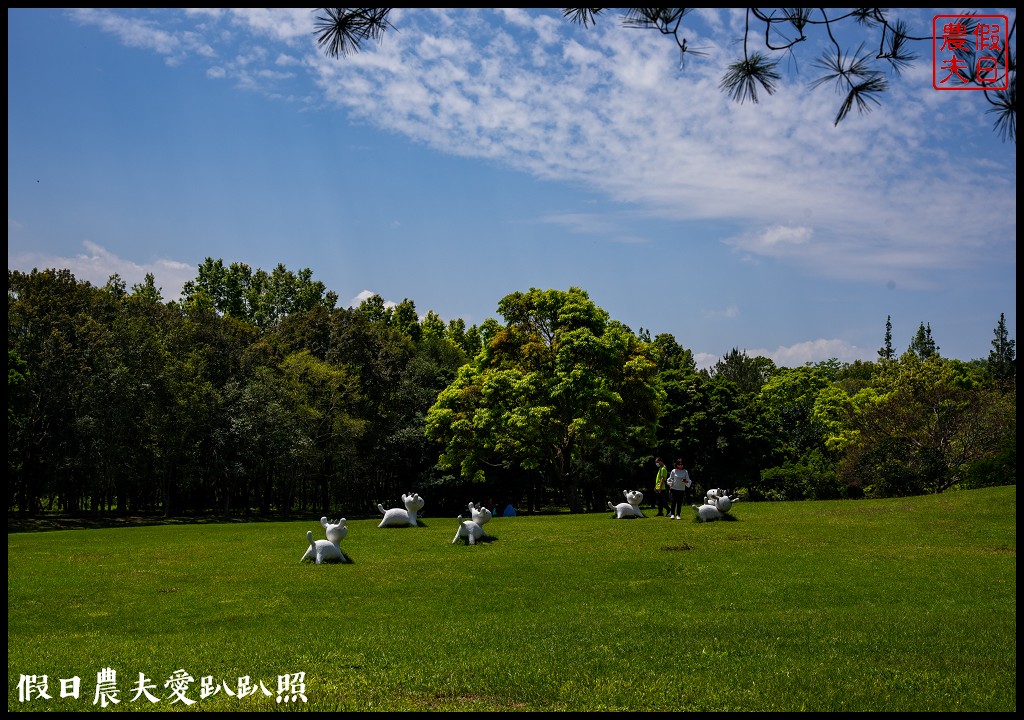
x=660, y=486
x=680, y=485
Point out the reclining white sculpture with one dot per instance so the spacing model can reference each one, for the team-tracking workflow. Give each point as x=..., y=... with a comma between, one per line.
x=329, y=550
x=469, y=530
x=716, y=503
x=630, y=508
x=397, y=517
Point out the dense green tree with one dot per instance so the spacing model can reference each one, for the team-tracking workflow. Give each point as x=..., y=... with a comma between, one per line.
x=432, y=326
x=1002, y=358
x=120, y=402
x=800, y=425
x=327, y=400
x=854, y=376
x=748, y=373
x=128, y=397
x=557, y=381
x=922, y=425
x=466, y=338
x=721, y=433
x=375, y=310
x=57, y=325
x=405, y=319
x=923, y=345
x=259, y=298
x=17, y=411
x=672, y=355
x=273, y=442
x=399, y=380
x=788, y=400
x=200, y=457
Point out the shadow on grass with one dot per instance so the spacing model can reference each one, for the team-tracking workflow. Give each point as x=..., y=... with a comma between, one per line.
x=48, y=523
x=480, y=541
x=345, y=560
x=726, y=517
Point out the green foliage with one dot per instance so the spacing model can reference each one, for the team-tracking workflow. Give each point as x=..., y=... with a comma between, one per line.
x=789, y=399
x=923, y=346
x=849, y=606
x=555, y=383
x=748, y=373
x=809, y=478
x=710, y=422
x=886, y=352
x=1002, y=359
x=259, y=298
x=991, y=471
x=922, y=425
x=121, y=403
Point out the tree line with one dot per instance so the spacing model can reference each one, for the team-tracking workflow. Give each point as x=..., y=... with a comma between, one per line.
x=254, y=394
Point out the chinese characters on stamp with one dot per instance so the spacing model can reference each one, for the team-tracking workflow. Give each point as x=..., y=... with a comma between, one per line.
x=969, y=52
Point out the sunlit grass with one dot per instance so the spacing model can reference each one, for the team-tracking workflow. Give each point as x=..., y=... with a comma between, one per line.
x=898, y=605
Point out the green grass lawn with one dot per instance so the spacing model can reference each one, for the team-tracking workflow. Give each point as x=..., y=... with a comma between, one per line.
x=897, y=605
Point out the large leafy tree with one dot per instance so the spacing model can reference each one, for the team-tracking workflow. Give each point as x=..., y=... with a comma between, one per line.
x=557, y=381
x=59, y=327
x=860, y=75
x=922, y=426
x=796, y=407
x=748, y=373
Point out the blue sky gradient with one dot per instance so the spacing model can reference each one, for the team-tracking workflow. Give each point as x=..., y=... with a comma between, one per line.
x=474, y=153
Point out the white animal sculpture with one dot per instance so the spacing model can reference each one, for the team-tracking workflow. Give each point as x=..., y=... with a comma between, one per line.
x=336, y=530
x=630, y=508
x=397, y=517
x=469, y=530
x=716, y=503
x=326, y=551
x=479, y=513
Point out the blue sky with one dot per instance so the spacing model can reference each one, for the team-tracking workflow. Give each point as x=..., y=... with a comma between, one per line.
x=475, y=153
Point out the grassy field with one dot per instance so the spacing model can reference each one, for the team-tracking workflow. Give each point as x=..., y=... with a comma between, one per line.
x=882, y=605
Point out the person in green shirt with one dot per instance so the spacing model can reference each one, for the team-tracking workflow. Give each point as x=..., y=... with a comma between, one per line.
x=661, y=486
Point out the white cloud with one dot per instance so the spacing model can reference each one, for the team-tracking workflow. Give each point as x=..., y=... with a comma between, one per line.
x=813, y=351
x=612, y=111
x=97, y=264
x=366, y=295
x=876, y=199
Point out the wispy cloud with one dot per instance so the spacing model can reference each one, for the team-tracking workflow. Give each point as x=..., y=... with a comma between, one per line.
x=608, y=107
x=96, y=265
x=813, y=351
x=882, y=199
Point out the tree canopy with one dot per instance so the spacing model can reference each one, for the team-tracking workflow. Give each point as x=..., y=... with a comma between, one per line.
x=120, y=402
x=557, y=381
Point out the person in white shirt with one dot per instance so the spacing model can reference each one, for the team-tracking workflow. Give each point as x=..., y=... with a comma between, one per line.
x=679, y=484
